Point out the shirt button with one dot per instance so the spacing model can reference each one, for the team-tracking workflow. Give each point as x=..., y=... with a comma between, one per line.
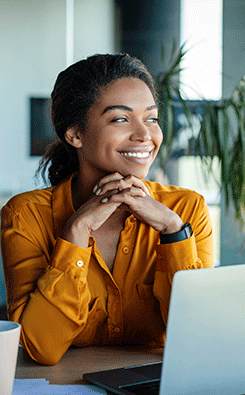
x=79, y=263
x=117, y=329
x=115, y=291
x=125, y=250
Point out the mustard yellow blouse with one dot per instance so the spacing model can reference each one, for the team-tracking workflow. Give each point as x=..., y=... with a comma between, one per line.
x=65, y=295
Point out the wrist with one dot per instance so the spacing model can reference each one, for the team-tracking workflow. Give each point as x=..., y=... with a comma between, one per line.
x=173, y=225
x=183, y=234
x=76, y=232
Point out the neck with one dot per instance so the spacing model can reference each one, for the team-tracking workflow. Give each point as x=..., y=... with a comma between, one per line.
x=82, y=189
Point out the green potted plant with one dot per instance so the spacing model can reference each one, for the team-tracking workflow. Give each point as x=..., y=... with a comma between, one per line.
x=221, y=133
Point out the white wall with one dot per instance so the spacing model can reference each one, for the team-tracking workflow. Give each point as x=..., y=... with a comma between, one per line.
x=32, y=53
x=94, y=27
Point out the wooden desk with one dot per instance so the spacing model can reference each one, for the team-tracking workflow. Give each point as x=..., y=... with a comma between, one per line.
x=77, y=361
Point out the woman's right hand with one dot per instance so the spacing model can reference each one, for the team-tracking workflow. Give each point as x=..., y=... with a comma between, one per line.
x=92, y=214
x=89, y=217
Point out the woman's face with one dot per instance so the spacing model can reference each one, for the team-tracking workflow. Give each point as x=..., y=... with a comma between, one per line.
x=122, y=132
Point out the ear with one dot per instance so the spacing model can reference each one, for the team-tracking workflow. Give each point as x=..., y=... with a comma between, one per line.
x=73, y=137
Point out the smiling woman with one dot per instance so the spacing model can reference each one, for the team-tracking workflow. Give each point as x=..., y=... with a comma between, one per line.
x=122, y=133
x=90, y=260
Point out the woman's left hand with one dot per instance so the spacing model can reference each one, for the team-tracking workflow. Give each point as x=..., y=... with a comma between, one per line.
x=145, y=208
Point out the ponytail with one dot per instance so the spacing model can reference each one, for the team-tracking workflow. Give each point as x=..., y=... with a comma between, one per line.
x=63, y=161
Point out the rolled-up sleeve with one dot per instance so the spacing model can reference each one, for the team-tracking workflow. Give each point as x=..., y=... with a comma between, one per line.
x=193, y=253
x=49, y=296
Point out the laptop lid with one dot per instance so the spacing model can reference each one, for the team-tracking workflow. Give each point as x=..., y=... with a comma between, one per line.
x=205, y=343
x=205, y=340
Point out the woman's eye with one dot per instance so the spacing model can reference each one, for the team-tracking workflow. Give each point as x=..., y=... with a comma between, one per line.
x=119, y=119
x=153, y=120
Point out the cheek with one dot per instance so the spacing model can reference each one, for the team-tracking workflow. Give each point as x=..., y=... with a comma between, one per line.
x=94, y=139
x=101, y=147
x=159, y=137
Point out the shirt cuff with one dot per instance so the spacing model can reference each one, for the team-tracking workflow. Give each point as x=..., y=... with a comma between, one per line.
x=70, y=258
x=177, y=256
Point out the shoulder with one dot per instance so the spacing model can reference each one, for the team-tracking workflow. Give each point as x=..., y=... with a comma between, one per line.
x=29, y=200
x=170, y=192
x=188, y=204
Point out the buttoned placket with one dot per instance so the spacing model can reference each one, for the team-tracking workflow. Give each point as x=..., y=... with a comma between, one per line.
x=115, y=312
x=124, y=251
x=114, y=303
x=115, y=324
x=116, y=283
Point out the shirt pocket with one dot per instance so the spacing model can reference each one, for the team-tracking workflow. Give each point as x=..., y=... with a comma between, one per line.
x=150, y=323
x=145, y=291
x=95, y=329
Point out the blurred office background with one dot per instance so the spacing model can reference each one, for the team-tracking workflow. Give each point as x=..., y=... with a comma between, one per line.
x=39, y=38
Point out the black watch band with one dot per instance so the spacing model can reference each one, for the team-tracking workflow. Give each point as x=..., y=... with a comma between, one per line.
x=183, y=234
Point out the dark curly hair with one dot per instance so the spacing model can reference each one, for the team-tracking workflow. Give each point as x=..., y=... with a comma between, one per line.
x=76, y=89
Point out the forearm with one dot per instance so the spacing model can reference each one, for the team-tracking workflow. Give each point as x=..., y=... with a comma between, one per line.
x=54, y=315
x=46, y=332
x=195, y=252
x=53, y=309
x=182, y=255
x=76, y=232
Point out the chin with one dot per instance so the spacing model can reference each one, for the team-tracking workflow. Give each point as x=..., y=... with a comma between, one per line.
x=132, y=170
x=139, y=174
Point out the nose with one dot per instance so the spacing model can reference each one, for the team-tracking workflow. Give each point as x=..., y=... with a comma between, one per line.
x=140, y=133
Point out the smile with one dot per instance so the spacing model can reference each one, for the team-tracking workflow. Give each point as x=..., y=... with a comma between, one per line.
x=136, y=154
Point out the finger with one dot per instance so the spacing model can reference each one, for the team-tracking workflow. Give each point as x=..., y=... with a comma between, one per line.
x=119, y=185
x=122, y=184
x=137, y=182
x=107, y=195
x=122, y=196
x=106, y=179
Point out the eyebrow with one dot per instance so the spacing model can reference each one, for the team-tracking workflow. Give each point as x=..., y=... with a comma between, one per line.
x=126, y=108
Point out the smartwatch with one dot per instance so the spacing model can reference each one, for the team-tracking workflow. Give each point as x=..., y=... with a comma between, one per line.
x=184, y=233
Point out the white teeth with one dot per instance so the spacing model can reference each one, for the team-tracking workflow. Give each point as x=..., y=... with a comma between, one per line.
x=137, y=155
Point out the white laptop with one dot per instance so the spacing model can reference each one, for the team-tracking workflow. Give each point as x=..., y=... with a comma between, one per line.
x=205, y=343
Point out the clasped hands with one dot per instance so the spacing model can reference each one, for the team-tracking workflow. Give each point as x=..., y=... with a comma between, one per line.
x=129, y=193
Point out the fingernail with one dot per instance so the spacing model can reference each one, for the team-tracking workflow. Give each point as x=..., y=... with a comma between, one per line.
x=95, y=188
x=98, y=191
x=104, y=200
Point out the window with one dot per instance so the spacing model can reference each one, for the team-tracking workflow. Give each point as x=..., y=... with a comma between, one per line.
x=201, y=29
